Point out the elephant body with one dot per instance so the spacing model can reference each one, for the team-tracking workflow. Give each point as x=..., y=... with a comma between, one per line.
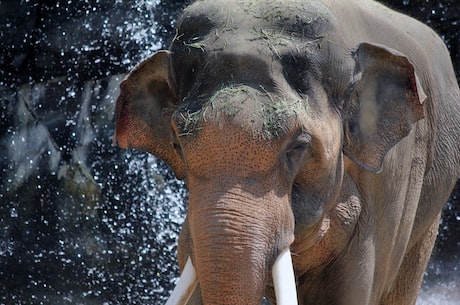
x=327, y=127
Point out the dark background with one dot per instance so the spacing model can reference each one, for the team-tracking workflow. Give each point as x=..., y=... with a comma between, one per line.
x=82, y=222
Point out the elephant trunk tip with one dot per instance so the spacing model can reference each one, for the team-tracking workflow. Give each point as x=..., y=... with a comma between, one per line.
x=283, y=280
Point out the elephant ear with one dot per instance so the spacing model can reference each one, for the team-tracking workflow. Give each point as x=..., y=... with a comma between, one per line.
x=143, y=111
x=383, y=103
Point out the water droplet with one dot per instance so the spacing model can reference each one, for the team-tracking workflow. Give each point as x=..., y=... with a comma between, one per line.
x=13, y=213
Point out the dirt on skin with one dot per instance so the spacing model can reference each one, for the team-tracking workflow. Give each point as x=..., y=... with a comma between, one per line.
x=268, y=114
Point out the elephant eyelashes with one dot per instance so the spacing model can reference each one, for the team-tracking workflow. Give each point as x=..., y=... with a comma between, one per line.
x=302, y=142
x=176, y=146
x=296, y=149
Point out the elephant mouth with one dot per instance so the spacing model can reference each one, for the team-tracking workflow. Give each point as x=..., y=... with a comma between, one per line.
x=282, y=273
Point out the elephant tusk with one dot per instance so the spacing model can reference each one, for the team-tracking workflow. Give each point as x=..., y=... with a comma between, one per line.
x=185, y=286
x=284, y=280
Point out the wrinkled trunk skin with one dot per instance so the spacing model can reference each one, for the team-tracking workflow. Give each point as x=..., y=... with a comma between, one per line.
x=236, y=236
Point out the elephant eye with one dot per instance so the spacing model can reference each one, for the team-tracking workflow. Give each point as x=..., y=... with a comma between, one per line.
x=176, y=146
x=302, y=142
x=296, y=150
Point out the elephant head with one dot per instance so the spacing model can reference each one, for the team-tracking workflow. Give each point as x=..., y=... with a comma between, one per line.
x=259, y=120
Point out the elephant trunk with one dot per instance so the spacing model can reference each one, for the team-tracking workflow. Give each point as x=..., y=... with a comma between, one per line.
x=236, y=235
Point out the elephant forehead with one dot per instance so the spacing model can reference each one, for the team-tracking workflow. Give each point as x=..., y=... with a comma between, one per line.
x=258, y=113
x=299, y=17
x=263, y=32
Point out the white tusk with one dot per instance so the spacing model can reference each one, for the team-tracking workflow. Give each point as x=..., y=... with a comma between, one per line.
x=284, y=280
x=185, y=286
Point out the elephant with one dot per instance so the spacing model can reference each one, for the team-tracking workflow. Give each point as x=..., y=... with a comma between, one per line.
x=318, y=139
